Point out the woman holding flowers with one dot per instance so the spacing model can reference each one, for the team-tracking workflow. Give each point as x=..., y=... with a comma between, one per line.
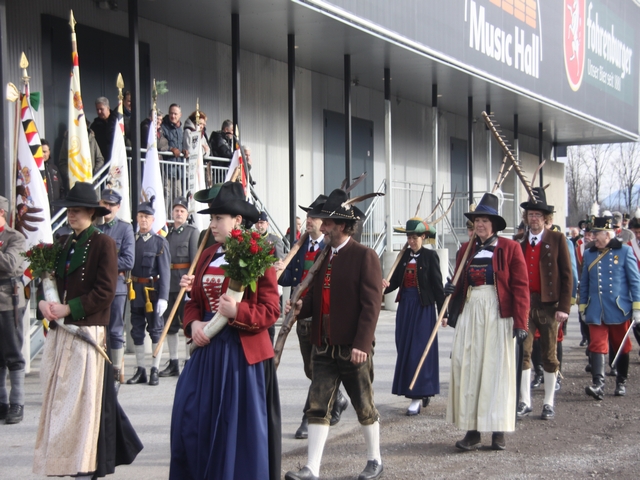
x=226, y=414
x=72, y=439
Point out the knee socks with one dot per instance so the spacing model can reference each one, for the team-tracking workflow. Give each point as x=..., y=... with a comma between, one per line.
x=3, y=385
x=372, y=440
x=117, y=355
x=172, y=340
x=139, y=355
x=525, y=387
x=317, y=437
x=17, y=387
x=156, y=361
x=549, y=387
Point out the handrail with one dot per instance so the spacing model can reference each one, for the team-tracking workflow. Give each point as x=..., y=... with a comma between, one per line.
x=272, y=223
x=374, y=231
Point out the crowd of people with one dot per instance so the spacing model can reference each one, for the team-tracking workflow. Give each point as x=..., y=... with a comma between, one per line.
x=509, y=303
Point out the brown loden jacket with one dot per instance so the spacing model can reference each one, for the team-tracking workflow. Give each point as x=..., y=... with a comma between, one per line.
x=556, y=280
x=90, y=279
x=356, y=297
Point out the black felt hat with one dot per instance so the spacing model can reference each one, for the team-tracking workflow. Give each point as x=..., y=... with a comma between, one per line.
x=603, y=223
x=541, y=201
x=82, y=194
x=488, y=207
x=317, y=204
x=337, y=208
x=231, y=200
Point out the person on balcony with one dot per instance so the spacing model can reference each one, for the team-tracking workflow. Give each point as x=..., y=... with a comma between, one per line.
x=104, y=126
x=171, y=129
x=419, y=280
x=222, y=142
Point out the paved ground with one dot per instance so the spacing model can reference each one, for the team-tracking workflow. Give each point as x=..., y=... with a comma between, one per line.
x=420, y=445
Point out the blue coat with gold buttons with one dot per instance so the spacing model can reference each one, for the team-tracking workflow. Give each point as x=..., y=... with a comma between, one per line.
x=610, y=288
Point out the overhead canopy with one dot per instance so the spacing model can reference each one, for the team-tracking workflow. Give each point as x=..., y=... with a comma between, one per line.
x=571, y=65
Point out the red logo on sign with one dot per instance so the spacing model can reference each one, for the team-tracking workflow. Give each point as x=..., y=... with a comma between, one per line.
x=574, y=41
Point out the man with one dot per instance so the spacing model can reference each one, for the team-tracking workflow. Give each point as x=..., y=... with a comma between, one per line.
x=624, y=234
x=52, y=178
x=222, y=141
x=183, y=245
x=292, y=275
x=103, y=127
x=344, y=303
x=150, y=276
x=634, y=226
x=12, y=305
x=262, y=226
x=171, y=130
x=550, y=284
x=122, y=234
x=609, y=296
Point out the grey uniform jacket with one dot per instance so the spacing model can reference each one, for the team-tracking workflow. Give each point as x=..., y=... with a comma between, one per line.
x=12, y=243
x=152, y=259
x=183, y=245
x=276, y=241
x=122, y=234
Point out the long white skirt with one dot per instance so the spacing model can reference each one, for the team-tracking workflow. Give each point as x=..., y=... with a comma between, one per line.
x=482, y=389
x=71, y=377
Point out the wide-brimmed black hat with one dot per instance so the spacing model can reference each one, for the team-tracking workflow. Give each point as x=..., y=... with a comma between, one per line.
x=317, y=203
x=207, y=195
x=231, y=200
x=541, y=201
x=82, y=194
x=488, y=207
x=336, y=207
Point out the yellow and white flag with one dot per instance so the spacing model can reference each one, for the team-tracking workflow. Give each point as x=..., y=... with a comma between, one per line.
x=152, y=187
x=80, y=168
x=118, y=176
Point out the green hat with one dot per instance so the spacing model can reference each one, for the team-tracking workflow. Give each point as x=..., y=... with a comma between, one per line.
x=207, y=195
x=417, y=226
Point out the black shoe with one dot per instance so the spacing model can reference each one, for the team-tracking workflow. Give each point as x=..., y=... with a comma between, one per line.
x=497, y=441
x=172, y=370
x=411, y=413
x=15, y=414
x=153, y=377
x=584, y=342
x=302, y=474
x=471, y=441
x=523, y=410
x=4, y=408
x=621, y=389
x=587, y=368
x=371, y=471
x=612, y=373
x=116, y=379
x=139, y=377
x=547, y=412
x=425, y=402
x=302, y=431
x=339, y=406
x=538, y=380
x=594, y=391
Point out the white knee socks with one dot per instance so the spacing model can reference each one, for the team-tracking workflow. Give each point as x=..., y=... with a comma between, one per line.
x=372, y=440
x=549, y=387
x=525, y=387
x=156, y=361
x=139, y=355
x=172, y=340
x=317, y=438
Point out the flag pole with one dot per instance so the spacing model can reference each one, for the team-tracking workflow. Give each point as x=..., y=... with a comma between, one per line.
x=120, y=85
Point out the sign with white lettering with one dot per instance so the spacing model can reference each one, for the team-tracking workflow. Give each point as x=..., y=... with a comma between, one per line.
x=575, y=54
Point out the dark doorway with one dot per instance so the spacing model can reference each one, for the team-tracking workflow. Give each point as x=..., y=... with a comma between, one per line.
x=459, y=178
x=361, y=156
x=102, y=56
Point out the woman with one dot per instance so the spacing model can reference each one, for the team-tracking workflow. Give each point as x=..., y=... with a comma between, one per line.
x=419, y=279
x=491, y=305
x=74, y=436
x=226, y=414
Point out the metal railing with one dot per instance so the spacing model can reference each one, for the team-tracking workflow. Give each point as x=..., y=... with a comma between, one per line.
x=374, y=231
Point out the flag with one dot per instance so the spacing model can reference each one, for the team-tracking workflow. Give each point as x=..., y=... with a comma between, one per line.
x=118, y=176
x=195, y=174
x=80, y=167
x=235, y=161
x=152, y=180
x=32, y=213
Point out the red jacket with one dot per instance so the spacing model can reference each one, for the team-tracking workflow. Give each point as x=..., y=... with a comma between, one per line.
x=256, y=313
x=510, y=278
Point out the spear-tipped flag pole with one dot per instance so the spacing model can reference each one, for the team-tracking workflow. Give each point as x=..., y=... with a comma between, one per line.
x=118, y=176
x=32, y=214
x=151, y=178
x=80, y=167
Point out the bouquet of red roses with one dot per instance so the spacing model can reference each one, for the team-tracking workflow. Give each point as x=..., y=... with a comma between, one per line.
x=42, y=258
x=248, y=255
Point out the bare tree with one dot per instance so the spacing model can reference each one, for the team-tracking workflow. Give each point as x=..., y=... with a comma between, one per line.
x=628, y=168
x=598, y=156
x=579, y=183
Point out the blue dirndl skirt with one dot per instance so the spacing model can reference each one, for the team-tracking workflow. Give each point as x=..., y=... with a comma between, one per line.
x=219, y=419
x=414, y=324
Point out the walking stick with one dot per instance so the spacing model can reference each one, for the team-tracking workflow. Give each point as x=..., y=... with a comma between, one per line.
x=292, y=252
x=290, y=318
x=181, y=293
x=626, y=335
